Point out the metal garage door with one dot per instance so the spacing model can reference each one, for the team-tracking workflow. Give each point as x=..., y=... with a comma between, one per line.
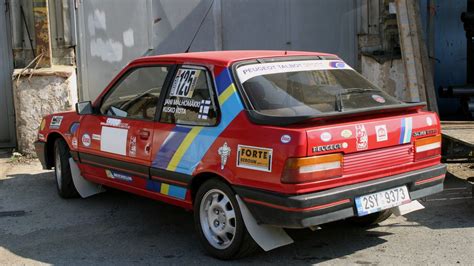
x=110, y=34
x=310, y=25
x=7, y=129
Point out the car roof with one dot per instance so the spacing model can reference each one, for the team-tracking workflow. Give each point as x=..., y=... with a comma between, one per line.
x=225, y=58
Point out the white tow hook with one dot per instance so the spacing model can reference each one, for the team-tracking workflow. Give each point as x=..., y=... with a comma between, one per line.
x=267, y=237
x=84, y=187
x=407, y=208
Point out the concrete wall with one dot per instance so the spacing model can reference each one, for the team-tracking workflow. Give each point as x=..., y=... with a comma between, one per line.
x=388, y=75
x=47, y=91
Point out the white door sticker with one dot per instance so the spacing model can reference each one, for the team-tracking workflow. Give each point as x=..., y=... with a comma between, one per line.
x=114, y=140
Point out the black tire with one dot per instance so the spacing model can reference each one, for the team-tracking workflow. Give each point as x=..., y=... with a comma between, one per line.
x=62, y=174
x=242, y=244
x=371, y=219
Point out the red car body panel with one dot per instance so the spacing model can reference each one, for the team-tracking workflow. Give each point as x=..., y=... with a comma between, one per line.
x=167, y=154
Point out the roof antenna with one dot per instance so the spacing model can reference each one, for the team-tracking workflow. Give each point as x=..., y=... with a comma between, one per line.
x=200, y=25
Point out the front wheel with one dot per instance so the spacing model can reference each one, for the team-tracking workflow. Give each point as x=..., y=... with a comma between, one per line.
x=62, y=170
x=219, y=223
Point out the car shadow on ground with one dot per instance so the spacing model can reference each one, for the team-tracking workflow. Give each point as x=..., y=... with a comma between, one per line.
x=120, y=228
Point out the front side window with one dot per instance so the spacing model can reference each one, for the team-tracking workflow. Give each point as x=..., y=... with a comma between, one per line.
x=308, y=88
x=190, y=100
x=136, y=95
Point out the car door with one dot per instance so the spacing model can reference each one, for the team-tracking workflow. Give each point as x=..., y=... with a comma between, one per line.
x=115, y=142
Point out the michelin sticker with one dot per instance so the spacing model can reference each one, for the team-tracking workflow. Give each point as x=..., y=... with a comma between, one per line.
x=224, y=153
x=55, y=122
x=118, y=176
x=185, y=82
x=247, y=72
x=255, y=158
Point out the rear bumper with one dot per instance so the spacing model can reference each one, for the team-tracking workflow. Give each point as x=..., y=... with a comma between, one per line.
x=40, y=148
x=300, y=211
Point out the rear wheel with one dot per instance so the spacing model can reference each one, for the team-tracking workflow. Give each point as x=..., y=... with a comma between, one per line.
x=372, y=219
x=62, y=170
x=219, y=223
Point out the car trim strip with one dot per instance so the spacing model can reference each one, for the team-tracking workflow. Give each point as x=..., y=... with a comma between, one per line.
x=289, y=209
x=136, y=169
x=424, y=181
x=169, y=176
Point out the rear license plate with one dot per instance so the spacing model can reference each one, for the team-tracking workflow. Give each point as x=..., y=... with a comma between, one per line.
x=378, y=201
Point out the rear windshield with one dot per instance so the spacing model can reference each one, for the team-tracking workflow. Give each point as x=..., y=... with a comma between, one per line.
x=308, y=88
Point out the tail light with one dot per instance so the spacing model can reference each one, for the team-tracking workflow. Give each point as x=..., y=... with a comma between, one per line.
x=309, y=169
x=427, y=147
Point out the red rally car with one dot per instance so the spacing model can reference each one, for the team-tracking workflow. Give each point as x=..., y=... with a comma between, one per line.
x=282, y=139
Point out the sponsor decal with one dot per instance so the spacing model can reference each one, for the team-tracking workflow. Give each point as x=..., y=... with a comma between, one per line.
x=429, y=121
x=346, y=133
x=86, y=140
x=329, y=147
x=115, y=122
x=41, y=137
x=381, y=132
x=204, y=109
x=337, y=64
x=132, y=149
x=378, y=98
x=185, y=82
x=424, y=132
x=247, y=72
x=55, y=122
x=96, y=137
x=73, y=128
x=326, y=136
x=43, y=124
x=256, y=158
x=285, y=139
x=74, y=142
x=362, y=138
x=224, y=152
x=405, y=130
x=118, y=176
x=147, y=148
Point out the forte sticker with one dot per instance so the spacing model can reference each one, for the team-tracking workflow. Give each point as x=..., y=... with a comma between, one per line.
x=255, y=158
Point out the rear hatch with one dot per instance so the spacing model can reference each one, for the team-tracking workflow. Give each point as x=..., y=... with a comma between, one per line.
x=374, y=147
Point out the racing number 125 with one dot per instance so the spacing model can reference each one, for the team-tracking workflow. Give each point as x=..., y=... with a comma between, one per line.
x=184, y=83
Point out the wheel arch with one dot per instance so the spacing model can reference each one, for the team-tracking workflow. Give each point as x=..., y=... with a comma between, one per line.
x=201, y=178
x=51, y=139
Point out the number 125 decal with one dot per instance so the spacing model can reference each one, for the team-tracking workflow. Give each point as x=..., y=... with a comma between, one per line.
x=185, y=82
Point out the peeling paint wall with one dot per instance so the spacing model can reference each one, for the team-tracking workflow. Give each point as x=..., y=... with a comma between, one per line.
x=46, y=92
x=388, y=75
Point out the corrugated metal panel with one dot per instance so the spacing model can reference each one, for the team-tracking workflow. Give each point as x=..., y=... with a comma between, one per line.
x=377, y=159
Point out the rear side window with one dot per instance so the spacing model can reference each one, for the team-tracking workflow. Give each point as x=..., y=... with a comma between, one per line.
x=136, y=95
x=190, y=99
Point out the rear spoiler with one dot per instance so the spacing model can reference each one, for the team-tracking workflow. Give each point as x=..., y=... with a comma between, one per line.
x=262, y=119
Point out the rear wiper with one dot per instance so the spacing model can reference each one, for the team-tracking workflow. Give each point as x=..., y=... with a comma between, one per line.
x=357, y=90
x=339, y=103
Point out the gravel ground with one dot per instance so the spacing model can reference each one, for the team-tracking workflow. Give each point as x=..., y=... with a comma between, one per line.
x=38, y=227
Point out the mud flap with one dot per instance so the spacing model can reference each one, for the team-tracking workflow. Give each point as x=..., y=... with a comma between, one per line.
x=267, y=237
x=84, y=187
x=407, y=208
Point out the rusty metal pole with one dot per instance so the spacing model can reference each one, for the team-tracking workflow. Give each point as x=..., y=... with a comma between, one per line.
x=42, y=32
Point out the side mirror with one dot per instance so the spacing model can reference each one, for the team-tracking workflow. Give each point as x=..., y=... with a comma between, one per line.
x=84, y=108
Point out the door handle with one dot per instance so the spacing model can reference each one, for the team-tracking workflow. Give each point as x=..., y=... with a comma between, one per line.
x=144, y=134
